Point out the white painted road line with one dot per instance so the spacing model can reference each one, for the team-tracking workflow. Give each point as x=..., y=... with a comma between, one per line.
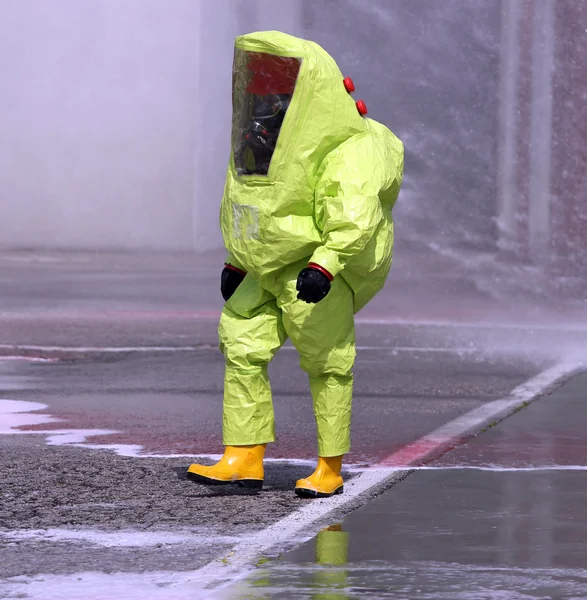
x=548, y=322
x=163, y=349
x=29, y=359
x=501, y=324
x=498, y=469
x=101, y=349
x=474, y=420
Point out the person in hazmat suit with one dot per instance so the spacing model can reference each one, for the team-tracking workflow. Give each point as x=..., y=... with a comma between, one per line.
x=306, y=219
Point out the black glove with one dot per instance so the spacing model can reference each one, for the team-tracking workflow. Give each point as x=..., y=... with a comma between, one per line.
x=312, y=285
x=230, y=279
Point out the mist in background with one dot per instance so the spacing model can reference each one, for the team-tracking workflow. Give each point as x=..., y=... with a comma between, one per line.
x=115, y=122
x=115, y=119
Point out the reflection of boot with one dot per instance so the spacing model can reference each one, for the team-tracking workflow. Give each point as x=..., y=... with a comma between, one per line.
x=332, y=545
x=325, y=480
x=242, y=465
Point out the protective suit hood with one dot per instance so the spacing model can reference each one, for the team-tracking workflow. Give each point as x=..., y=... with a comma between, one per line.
x=305, y=109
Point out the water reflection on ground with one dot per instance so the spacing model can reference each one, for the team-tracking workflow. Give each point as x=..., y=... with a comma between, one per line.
x=502, y=517
x=331, y=577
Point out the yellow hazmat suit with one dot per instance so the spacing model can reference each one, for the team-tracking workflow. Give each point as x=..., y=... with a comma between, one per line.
x=318, y=191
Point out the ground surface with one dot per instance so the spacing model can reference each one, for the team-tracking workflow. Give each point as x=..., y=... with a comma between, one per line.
x=506, y=520
x=95, y=441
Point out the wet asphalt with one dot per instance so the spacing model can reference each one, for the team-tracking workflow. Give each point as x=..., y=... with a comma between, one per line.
x=411, y=378
x=171, y=405
x=502, y=517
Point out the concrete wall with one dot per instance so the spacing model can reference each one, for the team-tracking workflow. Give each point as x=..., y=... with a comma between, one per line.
x=97, y=103
x=543, y=216
x=115, y=114
x=115, y=119
x=569, y=150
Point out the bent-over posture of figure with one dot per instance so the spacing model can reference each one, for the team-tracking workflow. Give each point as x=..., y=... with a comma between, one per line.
x=306, y=219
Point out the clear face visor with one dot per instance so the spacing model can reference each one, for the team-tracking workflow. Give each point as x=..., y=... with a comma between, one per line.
x=262, y=87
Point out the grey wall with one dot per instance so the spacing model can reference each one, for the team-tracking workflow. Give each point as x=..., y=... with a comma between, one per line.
x=97, y=132
x=115, y=119
x=115, y=114
x=429, y=70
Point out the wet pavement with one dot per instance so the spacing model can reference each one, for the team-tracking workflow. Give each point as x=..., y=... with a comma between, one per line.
x=121, y=299
x=171, y=403
x=501, y=517
x=111, y=384
x=123, y=511
x=151, y=414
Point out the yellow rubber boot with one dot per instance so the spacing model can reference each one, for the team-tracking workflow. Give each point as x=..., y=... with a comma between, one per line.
x=325, y=481
x=242, y=465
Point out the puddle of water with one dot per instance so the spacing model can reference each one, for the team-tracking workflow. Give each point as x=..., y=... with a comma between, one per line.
x=332, y=577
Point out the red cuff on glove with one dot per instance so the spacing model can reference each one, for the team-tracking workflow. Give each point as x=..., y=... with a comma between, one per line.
x=322, y=270
x=235, y=269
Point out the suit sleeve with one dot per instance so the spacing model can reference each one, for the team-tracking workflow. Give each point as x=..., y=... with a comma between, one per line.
x=348, y=210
